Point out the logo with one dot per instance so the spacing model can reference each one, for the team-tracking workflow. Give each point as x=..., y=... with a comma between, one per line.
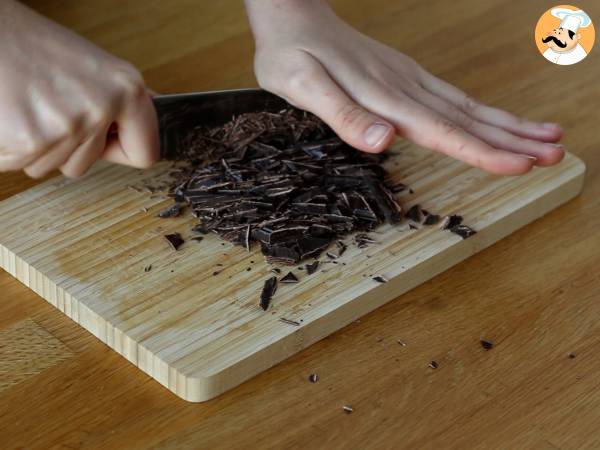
x=565, y=35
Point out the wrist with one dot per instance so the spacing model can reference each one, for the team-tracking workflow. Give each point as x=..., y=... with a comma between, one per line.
x=267, y=15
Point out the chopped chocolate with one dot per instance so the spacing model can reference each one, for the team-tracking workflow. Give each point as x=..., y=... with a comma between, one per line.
x=572, y=355
x=175, y=240
x=148, y=268
x=380, y=279
x=289, y=278
x=412, y=226
x=434, y=365
x=313, y=377
x=171, y=211
x=268, y=291
x=463, y=231
x=487, y=345
x=276, y=270
x=283, y=180
x=312, y=268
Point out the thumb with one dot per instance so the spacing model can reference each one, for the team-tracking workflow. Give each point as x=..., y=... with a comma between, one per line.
x=316, y=92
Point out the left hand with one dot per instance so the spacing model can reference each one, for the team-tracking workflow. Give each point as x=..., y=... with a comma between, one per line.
x=367, y=92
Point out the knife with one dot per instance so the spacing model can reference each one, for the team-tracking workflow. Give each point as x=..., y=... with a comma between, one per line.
x=179, y=113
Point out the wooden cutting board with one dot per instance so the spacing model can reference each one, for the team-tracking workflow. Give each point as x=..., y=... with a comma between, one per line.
x=193, y=321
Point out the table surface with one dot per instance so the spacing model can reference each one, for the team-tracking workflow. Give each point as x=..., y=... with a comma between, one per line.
x=535, y=295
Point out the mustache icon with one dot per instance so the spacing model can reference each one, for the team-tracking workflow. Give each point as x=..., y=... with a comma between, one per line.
x=555, y=40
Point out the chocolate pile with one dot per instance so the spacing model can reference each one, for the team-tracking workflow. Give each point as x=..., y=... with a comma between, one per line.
x=284, y=180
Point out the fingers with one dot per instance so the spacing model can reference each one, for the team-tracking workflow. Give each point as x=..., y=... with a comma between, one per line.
x=80, y=161
x=545, y=153
x=429, y=129
x=51, y=160
x=546, y=132
x=316, y=92
x=138, y=134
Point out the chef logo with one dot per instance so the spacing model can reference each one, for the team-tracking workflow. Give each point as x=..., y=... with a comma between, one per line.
x=565, y=35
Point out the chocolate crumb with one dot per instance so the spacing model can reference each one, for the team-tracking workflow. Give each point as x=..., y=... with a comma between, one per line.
x=433, y=365
x=463, y=231
x=572, y=355
x=148, y=268
x=312, y=268
x=172, y=211
x=175, y=240
x=380, y=279
x=313, y=377
x=487, y=345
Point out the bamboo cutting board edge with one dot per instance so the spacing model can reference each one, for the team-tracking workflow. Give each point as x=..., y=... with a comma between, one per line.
x=202, y=388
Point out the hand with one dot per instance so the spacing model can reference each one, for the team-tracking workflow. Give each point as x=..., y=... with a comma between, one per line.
x=59, y=97
x=368, y=92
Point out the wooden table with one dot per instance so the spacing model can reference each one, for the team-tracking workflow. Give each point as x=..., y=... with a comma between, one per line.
x=535, y=295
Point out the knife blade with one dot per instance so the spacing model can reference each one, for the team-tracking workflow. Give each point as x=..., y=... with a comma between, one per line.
x=179, y=113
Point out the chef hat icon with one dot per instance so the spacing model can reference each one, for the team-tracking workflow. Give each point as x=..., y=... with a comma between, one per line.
x=570, y=19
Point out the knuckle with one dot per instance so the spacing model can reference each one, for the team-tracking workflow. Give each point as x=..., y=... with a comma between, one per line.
x=447, y=127
x=301, y=80
x=469, y=105
x=463, y=120
x=349, y=116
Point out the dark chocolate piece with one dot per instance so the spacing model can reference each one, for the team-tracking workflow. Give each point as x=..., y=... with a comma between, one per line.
x=313, y=377
x=289, y=278
x=487, y=345
x=380, y=279
x=463, y=231
x=148, y=268
x=432, y=219
x=312, y=268
x=572, y=355
x=171, y=211
x=267, y=293
x=434, y=365
x=415, y=214
x=175, y=240
x=452, y=221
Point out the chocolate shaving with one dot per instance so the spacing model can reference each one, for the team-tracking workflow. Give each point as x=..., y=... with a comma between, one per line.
x=415, y=214
x=175, y=240
x=268, y=291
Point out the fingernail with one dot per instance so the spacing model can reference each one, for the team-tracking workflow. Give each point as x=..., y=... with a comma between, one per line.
x=549, y=125
x=376, y=133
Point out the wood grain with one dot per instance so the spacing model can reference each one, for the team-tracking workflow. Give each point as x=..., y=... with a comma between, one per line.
x=534, y=294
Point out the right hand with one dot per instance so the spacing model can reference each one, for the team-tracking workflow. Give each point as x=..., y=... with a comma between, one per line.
x=61, y=99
